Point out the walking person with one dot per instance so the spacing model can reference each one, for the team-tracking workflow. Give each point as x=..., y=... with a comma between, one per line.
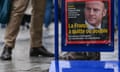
x=18, y=8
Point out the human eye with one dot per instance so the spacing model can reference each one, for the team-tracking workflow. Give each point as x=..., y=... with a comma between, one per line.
x=96, y=10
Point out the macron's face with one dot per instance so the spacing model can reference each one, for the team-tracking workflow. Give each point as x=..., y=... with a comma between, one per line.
x=94, y=12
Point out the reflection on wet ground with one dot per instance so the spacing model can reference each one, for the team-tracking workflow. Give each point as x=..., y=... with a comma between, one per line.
x=21, y=62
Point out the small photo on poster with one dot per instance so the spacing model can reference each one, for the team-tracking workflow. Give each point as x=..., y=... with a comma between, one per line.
x=88, y=21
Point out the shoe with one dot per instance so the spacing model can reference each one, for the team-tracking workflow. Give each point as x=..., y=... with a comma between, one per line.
x=81, y=56
x=6, y=54
x=40, y=51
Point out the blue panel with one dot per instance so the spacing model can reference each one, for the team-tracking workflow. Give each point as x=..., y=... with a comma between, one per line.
x=91, y=64
x=87, y=70
x=76, y=66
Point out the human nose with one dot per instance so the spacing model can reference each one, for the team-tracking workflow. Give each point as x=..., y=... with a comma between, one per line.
x=91, y=12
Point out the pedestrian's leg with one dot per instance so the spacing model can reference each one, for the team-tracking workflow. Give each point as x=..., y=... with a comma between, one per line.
x=37, y=22
x=36, y=29
x=18, y=8
x=12, y=29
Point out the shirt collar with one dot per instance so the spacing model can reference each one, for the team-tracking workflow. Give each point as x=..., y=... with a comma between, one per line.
x=92, y=27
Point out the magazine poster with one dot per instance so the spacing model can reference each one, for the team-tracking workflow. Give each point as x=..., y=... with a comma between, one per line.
x=88, y=21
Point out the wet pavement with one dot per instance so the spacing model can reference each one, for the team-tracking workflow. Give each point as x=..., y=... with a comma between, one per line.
x=21, y=62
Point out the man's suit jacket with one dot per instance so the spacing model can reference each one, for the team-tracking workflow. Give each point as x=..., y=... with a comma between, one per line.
x=102, y=36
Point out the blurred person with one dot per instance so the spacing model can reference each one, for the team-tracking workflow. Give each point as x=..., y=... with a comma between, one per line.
x=48, y=13
x=94, y=12
x=18, y=8
x=26, y=21
x=59, y=9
